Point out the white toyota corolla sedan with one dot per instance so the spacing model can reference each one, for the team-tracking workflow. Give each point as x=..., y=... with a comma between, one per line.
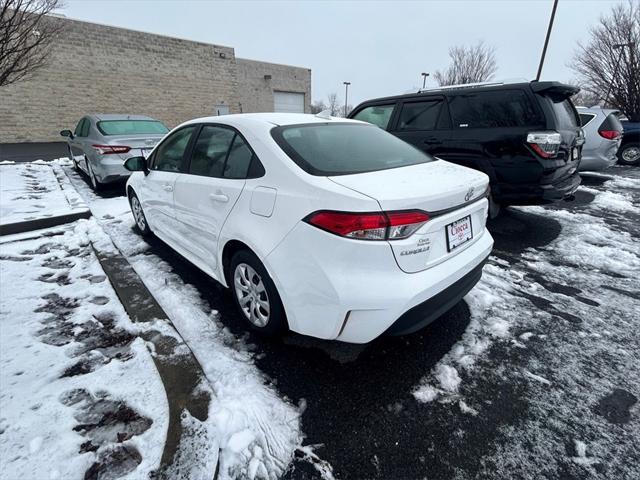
x=329, y=227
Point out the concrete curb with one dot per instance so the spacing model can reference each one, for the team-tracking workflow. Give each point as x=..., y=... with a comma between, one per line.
x=180, y=372
x=44, y=222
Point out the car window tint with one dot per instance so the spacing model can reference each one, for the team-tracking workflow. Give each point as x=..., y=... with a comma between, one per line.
x=586, y=118
x=85, y=128
x=238, y=160
x=503, y=108
x=565, y=114
x=210, y=151
x=168, y=156
x=76, y=132
x=378, y=115
x=420, y=115
x=345, y=148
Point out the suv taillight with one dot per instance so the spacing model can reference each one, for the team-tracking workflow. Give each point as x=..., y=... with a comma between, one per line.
x=369, y=226
x=545, y=144
x=109, y=149
x=610, y=134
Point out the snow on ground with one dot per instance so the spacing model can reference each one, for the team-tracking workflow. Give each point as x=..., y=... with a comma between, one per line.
x=32, y=190
x=563, y=322
x=79, y=391
x=257, y=430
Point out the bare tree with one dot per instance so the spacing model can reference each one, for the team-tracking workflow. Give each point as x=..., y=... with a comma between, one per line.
x=584, y=98
x=317, y=107
x=608, y=65
x=468, y=65
x=26, y=36
x=333, y=105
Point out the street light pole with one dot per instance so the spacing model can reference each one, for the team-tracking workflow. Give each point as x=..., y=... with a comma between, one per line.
x=617, y=46
x=346, y=96
x=546, y=40
x=424, y=79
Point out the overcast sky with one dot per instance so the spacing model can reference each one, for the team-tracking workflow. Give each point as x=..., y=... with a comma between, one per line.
x=380, y=47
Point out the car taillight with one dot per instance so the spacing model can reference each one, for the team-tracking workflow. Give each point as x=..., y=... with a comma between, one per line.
x=369, y=226
x=610, y=134
x=109, y=149
x=545, y=144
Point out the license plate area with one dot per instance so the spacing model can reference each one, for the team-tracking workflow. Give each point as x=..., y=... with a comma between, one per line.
x=459, y=233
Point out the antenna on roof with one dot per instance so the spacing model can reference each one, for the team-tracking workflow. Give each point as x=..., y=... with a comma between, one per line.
x=325, y=114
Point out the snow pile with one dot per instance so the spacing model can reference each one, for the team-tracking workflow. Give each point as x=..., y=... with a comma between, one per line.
x=31, y=191
x=80, y=392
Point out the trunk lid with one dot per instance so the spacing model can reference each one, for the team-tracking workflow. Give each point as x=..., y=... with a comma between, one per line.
x=140, y=144
x=446, y=191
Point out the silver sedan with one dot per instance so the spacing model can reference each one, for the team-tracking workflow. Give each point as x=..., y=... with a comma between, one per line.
x=603, y=135
x=101, y=143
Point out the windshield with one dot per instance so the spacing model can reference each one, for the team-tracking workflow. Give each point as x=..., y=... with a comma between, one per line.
x=325, y=149
x=132, y=127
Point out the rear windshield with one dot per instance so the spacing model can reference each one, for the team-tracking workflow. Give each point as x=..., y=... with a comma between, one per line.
x=344, y=148
x=131, y=127
x=565, y=114
x=499, y=108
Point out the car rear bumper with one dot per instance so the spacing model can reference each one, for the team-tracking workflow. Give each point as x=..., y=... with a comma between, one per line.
x=541, y=193
x=110, y=168
x=333, y=288
x=599, y=159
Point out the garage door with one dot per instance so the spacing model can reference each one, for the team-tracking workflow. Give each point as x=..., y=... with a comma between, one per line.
x=288, y=102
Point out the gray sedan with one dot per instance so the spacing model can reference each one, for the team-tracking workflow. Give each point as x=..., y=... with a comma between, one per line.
x=101, y=143
x=603, y=134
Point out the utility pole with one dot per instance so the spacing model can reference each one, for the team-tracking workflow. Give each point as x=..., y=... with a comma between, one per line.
x=346, y=96
x=546, y=40
x=424, y=79
x=617, y=46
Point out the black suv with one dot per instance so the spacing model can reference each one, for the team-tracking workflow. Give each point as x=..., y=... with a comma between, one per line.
x=525, y=136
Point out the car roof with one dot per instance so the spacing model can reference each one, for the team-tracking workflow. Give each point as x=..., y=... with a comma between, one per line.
x=118, y=116
x=472, y=87
x=276, y=119
x=596, y=110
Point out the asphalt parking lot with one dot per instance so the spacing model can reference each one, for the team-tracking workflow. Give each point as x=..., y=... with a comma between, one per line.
x=533, y=376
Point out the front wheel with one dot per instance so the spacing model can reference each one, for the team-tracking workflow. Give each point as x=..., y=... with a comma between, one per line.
x=95, y=183
x=629, y=154
x=138, y=215
x=256, y=295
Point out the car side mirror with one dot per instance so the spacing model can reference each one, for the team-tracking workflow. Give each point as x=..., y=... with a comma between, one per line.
x=136, y=164
x=66, y=133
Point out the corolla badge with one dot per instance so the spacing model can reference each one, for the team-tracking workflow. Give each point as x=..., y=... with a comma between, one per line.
x=469, y=194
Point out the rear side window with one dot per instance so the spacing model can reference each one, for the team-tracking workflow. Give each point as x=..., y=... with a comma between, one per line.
x=378, y=115
x=566, y=115
x=420, y=115
x=239, y=159
x=78, y=130
x=585, y=118
x=84, y=132
x=501, y=108
x=341, y=148
x=131, y=127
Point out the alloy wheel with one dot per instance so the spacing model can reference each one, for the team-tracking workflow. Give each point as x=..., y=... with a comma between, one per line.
x=252, y=295
x=631, y=154
x=136, y=208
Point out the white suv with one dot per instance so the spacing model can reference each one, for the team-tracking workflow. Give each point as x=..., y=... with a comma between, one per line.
x=329, y=227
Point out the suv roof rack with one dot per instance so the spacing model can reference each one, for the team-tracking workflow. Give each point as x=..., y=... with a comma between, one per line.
x=474, y=85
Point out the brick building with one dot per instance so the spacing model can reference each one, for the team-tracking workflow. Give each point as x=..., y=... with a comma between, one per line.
x=102, y=69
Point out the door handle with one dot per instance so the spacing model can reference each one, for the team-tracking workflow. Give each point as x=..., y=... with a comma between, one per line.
x=167, y=188
x=219, y=197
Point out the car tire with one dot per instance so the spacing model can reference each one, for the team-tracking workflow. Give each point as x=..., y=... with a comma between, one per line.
x=142, y=226
x=93, y=180
x=73, y=159
x=629, y=154
x=255, y=294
